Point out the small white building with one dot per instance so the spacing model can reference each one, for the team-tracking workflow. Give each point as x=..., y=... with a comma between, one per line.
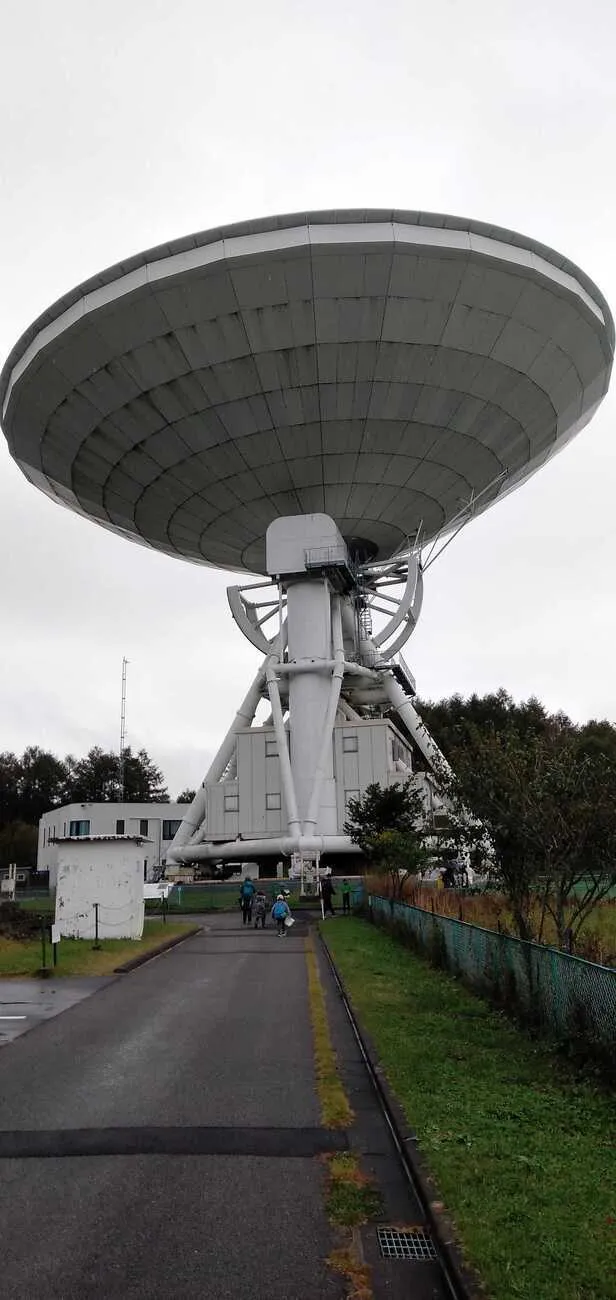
x=156, y=823
x=99, y=890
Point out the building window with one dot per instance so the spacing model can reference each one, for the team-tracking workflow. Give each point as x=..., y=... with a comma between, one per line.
x=120, y=826
x=349, y=744
x=399, y=751
x=79, y=828
x=272, y=802
x=171, y=828
x=271, y=747
x=232, y=803
x=349, y=794
x=143, y=826
x=44, y=833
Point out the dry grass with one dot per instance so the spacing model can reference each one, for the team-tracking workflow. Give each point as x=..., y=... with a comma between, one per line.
x=335, y=1109
x=349, y=1261
x=352, y=1196
x=596, y=942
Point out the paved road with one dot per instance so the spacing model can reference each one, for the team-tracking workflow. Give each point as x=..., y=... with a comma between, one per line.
x=186, y=1053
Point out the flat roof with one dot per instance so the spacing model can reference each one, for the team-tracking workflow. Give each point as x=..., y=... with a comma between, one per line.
x=384, y=367
x=100, y=839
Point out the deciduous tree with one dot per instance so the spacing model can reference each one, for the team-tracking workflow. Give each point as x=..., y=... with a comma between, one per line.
x=388, y=825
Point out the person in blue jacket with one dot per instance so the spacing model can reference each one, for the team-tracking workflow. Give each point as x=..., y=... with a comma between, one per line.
x=280, y=912
x=247, y=893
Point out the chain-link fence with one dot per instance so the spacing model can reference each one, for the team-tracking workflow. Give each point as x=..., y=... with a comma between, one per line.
x=564, y=996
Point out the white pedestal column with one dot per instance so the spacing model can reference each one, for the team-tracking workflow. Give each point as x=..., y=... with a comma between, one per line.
x=310, y=639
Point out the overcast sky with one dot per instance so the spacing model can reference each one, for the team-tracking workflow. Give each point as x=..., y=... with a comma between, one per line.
x=127, y=123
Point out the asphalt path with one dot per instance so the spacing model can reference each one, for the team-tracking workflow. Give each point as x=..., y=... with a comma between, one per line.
x=206, y=1049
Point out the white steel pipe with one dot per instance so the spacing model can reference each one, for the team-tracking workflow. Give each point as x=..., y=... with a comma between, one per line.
x=243, y=850
x=325, y=666
x=286, y=773
x=324, y=763
x=414, y=724
x=195, y=814
x=347, y=712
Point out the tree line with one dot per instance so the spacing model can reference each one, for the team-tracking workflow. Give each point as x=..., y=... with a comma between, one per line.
x=531, y=798
x=38, y=781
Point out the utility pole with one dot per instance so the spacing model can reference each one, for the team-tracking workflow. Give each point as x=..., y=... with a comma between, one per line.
x=122, y=730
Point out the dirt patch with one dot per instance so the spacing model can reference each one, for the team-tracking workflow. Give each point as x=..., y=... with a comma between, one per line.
x=16, y=923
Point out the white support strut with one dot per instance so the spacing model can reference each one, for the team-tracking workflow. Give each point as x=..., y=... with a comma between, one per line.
x=324, y=666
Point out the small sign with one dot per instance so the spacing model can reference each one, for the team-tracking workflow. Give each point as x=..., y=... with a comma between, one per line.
x=55, y=933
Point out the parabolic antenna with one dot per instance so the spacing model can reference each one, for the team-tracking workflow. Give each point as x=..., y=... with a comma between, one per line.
x=385, y=368
x=313, y=397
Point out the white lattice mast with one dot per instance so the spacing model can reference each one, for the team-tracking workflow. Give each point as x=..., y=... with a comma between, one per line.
x=122, y=730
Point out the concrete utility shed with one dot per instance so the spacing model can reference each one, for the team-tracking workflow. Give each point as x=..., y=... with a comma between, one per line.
x=100, y=887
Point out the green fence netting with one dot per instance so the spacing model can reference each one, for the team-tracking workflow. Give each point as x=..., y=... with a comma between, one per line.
x=567, y=996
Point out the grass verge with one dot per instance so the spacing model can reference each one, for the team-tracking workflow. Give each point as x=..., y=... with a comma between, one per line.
x=348, y=1260
x=352, y=1197
x=77, y=956
x=521, y=1150
x=335, y=1109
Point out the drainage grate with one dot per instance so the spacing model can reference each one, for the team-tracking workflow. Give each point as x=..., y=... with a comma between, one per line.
x=406, y=1243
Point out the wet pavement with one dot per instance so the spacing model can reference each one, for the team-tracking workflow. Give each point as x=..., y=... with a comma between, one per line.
x=164, y=1135
x=27, y=1003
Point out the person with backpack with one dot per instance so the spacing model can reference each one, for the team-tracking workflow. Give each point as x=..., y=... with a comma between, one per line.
x=260, y=908
x=327, y=893
x=280, y=912
x=247, y=893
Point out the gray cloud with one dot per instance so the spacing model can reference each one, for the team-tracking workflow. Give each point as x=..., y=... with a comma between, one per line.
x=137, y=123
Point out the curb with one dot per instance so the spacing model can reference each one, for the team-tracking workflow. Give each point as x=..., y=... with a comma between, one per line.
x=134, y=962
x=468, y=1285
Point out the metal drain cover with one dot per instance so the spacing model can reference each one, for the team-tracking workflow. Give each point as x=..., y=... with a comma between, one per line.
x=406, y=1243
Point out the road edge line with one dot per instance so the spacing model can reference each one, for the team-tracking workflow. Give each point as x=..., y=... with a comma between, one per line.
x=141, y=959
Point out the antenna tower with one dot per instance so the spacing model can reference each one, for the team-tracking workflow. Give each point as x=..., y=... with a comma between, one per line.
x=122, y=730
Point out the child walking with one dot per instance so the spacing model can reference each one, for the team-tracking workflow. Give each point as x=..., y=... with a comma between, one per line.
x=280, y=912
x=260, y=907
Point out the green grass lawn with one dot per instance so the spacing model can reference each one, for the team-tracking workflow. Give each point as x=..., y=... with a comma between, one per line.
x=522, y=1151
x=45, y=905
x=77, y=956
x=193, y=899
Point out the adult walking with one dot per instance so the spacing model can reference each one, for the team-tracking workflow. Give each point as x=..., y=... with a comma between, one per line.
x=247, y=893
x=327, y=893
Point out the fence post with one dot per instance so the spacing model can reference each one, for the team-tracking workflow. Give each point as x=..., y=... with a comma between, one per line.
x=43, y=971
x=96, y=943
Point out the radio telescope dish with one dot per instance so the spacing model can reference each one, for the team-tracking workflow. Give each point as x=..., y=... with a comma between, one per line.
x=390, y=369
